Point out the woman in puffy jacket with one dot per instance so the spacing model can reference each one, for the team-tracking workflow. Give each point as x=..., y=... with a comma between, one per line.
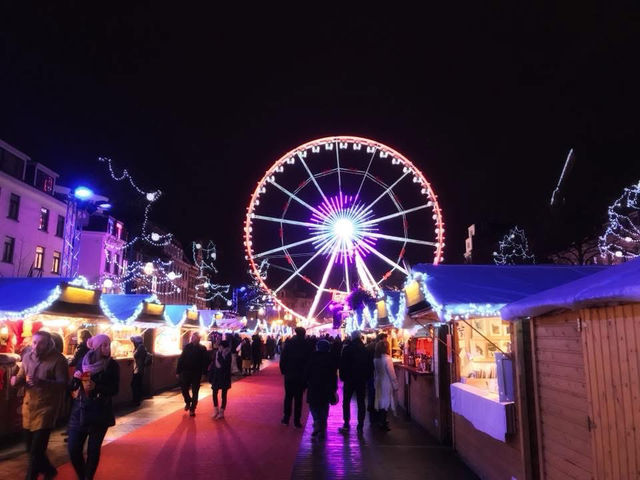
x=95, y=382
x=220, y=377
x=386, y=383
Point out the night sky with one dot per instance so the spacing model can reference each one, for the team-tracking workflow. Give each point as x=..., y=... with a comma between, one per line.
x=199, y=101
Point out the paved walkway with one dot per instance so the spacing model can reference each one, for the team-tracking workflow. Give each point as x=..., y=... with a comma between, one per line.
x=160, y=440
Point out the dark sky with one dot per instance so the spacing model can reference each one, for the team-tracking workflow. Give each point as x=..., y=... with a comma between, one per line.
x=200, y=100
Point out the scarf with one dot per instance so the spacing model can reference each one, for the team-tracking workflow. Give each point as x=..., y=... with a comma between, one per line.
x=93, y=362
x=220, y=355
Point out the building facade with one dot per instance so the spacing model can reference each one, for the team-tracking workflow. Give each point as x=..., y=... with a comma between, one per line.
x=31, y=218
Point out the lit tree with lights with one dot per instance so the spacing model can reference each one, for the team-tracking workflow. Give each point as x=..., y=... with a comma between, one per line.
x=204, y=258
x=513, y=249
x=621, y=238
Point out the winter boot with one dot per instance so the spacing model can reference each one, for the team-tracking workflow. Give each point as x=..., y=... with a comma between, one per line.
x=221, y=414
x=216, y=412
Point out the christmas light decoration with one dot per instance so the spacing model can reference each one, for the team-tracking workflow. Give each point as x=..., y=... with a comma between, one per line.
x=204, y=259
x=154, y=277
x=621, y=238
x=136, y=313
x=35, y=309
x=513, y=249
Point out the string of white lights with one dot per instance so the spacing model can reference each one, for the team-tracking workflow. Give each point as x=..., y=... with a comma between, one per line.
x=513, y=249
x=621, y=238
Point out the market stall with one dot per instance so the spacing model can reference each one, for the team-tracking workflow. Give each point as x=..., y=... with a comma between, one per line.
x=584, y=367
x=476, y=403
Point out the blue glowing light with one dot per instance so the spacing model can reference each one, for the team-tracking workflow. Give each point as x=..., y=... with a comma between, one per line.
x=105, y=206
x=83, y=193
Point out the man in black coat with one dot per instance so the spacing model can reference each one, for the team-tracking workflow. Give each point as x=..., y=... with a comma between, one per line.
x=191, y=366
x=322, y=384
x=293, y=365
x=356, y=368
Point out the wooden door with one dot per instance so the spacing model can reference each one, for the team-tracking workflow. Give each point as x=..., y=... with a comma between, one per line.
x=611, y=339
x=562, y=409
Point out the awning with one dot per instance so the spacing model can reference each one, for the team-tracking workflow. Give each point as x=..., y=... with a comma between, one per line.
x=615, y=285
x=176, y=314
x=123, y=308
x=483, y=290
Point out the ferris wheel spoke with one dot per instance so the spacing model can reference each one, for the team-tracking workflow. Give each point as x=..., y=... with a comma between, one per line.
x=401, y=239
x=366, y=173
x=325, y=277
x=285, y=220
x=295, y=197
x=371, y=249
x=346, y=274
x=388, y=189
x=397, y=214
x=364, y=274
x=313, y=178
x=297, y=271
x=291, y=245
x=338, y=163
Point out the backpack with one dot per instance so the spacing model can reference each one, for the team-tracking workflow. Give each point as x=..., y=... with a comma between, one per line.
x=148, y=360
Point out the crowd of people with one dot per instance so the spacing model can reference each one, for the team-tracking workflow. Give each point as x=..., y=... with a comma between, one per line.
x=308, y=363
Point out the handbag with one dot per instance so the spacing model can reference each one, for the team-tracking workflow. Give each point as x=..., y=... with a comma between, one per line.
x=334, y=399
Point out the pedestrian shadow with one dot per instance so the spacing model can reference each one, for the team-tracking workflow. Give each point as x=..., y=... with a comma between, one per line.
x=178, y=456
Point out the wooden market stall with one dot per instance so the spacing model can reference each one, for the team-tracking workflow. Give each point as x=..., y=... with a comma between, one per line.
x=585, y=371
x=474, y=400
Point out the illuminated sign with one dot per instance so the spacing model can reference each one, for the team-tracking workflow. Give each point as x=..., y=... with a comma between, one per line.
x=71, y=294
x=413, y=293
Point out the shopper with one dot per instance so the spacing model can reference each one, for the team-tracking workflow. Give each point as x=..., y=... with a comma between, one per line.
x=322, y=385
x=95, y=382
x=356, y=368
x=256, y=352
x=44, y=374
x=271, y=347
x=81, y=348
x=386, y=383
x=140, y=355
x=293, y=365
x=245, y=355
x=191, y=366
x=236, y=359
x=220, y=377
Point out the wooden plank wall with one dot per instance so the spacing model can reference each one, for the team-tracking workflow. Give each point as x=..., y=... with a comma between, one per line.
x=612, y=345
x=561, y=398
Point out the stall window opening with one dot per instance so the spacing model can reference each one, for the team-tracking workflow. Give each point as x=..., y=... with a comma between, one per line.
x=55, y=266
x=14, y=207
x=9, y=246
x=43, y=225
x=39, y=260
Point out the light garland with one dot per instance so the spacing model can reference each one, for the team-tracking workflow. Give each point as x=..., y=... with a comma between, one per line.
x=513, y=249
x=621, y=238
x=206, y=290
x=136, y=313
x=35, y=309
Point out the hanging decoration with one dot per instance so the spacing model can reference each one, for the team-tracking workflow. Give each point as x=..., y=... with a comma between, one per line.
x=513, y=249
x=154, y=277
x=621, y=238
x=204, y=258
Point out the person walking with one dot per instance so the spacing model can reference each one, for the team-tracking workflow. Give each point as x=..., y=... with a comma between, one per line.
x=271, y=347
x=191, y=366
x=356, y=368
x=236, y=359
x=386, y=383
x=140, y=355
x=245, y=356
x=44, y=373
x=322, y=385
x=81, y=348
x=95, y=382
x=293, y=365
x=220, y=377
x=256, y=352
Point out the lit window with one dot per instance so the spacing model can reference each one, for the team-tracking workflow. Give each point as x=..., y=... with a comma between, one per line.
x=43, y=226
x=55, y=266
x=118, y=230
x=7, y=253
x=107, y=262
x=39, y=260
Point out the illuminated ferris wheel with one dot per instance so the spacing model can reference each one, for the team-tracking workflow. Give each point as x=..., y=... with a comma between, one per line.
x=335, y=214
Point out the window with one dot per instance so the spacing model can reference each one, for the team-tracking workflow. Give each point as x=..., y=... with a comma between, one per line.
x=7, y=253
x=107, y=262
x=39, y=260
x=118, y=230
x=60, y=227
x=14, y=206
x=43, y=226
x=11, y=164
x=55, y=266
x=44, y=182
x=116, y=264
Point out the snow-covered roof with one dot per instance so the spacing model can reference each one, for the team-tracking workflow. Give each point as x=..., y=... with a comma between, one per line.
x=485, y=289
x=614, y=285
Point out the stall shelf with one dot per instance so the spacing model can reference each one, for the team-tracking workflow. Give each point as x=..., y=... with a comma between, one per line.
x=583, y=383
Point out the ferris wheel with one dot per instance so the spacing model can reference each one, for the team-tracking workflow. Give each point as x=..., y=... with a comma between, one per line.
x=335, y=214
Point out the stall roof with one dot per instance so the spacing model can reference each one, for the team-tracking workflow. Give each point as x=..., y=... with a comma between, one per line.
x=27, y=296
x=124, y=308
x=229, y=319
x=484, y=289
x=176, y=313
x=619, y=284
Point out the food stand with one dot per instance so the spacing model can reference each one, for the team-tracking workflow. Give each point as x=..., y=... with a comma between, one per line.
x=582, y=382
x=474, y=350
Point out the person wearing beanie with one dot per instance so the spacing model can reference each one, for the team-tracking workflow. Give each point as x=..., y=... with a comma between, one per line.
x=95, y=382
x=356, y=368
x=322, y=385
x=220, y=377
x=295, y=356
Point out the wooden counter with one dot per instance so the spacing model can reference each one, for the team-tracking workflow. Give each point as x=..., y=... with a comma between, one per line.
x=124, y=396
x=163, y=372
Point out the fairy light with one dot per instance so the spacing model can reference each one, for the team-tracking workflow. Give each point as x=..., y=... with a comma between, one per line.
x=204, y=259
x=513, y=249
x=35, y=309
x=621, y=238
